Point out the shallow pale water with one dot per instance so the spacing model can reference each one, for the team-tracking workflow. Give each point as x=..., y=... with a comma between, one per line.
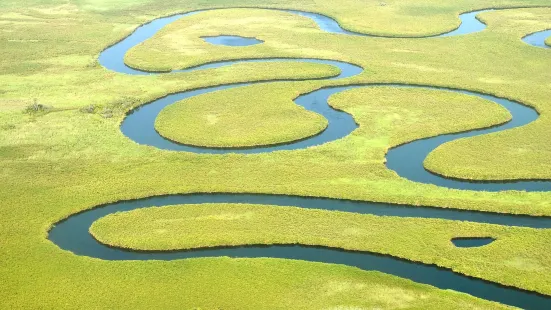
x=538, y=38
x=231, y=40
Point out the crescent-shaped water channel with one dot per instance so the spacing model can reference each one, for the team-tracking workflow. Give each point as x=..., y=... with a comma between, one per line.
x=407, y=160
x=538, y=38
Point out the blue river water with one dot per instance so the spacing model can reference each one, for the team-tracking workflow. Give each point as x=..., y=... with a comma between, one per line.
x=407, y=160
x=538, y=38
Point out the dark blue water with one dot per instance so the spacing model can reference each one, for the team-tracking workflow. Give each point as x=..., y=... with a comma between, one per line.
x=72, y=234
x=232, y=40
x=538, y=38
x=468, y=242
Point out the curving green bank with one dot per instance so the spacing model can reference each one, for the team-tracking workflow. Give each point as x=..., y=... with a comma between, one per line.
x=523, y=152
x=426, y=240
x=235, y=118
x=414, y=113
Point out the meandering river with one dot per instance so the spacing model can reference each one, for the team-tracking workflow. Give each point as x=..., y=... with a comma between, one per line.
x=407, y=160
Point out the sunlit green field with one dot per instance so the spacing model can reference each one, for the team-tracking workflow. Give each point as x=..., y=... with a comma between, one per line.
x=70, y=155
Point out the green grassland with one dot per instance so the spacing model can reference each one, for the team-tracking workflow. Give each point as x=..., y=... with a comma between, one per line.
x=384, y=107
x=485, y=157
x=234, y=118
x=185, y=121
x=73, y=156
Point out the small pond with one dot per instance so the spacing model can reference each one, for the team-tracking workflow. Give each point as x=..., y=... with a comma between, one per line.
x=472, y=242
x=232, y=40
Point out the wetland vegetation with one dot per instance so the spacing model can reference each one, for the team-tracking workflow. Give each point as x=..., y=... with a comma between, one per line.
x=68, y=154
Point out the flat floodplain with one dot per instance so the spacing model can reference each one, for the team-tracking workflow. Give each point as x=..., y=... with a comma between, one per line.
x=64, y=149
